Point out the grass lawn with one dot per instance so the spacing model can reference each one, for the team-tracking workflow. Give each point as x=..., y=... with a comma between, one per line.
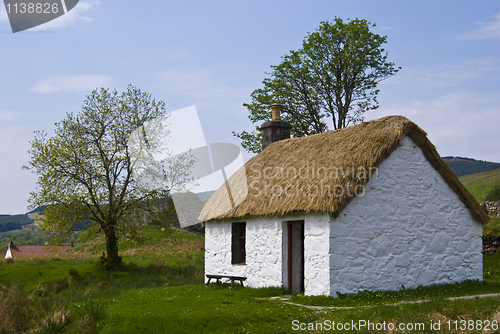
x=159, y=289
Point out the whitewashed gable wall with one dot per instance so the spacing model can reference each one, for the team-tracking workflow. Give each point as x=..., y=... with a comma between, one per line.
x=410, y=228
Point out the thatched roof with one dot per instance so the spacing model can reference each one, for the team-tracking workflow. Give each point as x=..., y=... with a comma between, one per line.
x=274, y=185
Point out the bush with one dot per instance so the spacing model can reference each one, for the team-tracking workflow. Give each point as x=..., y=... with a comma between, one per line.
x=494, y=194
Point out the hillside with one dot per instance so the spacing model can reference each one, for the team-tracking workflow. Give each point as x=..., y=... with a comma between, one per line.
x=205, y=195
x=481, y=183
x=13, y=222
x=465, y=166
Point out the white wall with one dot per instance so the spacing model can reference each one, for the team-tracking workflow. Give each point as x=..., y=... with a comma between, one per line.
x=8, y=254
x=263, y=251
x=408, y=229
x=316, y=258
x=264, y=257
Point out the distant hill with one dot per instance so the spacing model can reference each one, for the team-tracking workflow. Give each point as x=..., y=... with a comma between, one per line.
x=39, y=210
x=205, y=195
x=21, y=219
x=13, y=222
x=465, y=166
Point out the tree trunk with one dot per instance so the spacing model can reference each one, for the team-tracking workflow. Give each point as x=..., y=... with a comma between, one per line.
x=111, y=260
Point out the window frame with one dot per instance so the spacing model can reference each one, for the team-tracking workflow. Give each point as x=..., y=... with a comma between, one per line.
x=238, y=243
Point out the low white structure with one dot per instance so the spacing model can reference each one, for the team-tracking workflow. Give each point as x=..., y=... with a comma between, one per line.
x=368, y=207
x=8, y=254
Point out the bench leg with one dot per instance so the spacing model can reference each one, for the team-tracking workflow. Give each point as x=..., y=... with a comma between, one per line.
x=232, y=282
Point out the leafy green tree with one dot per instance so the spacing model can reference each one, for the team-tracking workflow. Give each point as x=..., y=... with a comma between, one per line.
x=87, y=170
x=335, y=74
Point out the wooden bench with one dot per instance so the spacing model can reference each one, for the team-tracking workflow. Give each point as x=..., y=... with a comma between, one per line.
x=232, y=278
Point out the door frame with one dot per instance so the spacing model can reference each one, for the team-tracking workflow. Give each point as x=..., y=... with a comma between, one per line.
x=289, y=260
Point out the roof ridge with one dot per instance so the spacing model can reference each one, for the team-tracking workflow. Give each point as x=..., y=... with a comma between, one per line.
x=364, y=145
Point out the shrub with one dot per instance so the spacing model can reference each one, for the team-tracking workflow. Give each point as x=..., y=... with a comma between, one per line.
x=53, y=322
x=494, y=194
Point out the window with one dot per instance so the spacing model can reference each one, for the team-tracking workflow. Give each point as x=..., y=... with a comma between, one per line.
x=238, y=231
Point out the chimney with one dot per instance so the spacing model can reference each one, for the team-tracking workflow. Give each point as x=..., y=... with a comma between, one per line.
x=276, y=112
x=276, y=129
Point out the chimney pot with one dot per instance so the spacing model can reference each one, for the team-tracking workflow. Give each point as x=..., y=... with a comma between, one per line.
x=276, y=112
x=276, y=129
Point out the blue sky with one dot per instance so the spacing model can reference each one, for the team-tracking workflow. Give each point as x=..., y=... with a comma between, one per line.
x=214, y=54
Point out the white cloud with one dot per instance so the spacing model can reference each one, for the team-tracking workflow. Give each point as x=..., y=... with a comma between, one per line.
x=485, y=31
x=458, y=124
x=200, y=83
x=82, y=82
x=449, y=75
x=70, y=18
x=7, y=115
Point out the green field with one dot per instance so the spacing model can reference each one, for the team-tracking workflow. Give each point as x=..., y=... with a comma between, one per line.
x=21, y=233
x=481, y=183
x=159, y=289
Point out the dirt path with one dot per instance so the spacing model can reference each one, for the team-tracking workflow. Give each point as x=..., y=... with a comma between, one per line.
x=394, y=304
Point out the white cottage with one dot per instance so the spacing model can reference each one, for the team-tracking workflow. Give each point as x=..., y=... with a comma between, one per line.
x=368, y=207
